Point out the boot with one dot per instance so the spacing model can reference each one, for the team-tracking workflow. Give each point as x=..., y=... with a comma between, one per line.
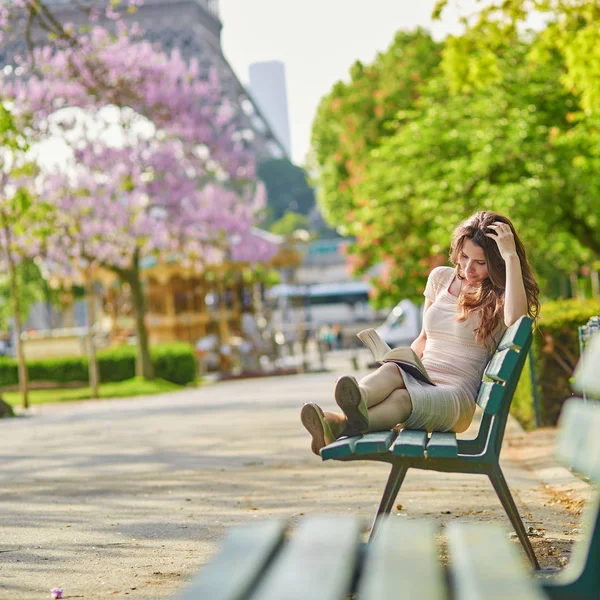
x=351, y=398
x=324, y=427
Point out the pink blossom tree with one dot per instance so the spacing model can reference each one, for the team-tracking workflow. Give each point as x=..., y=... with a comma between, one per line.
x=27, y=16
x=184, y=190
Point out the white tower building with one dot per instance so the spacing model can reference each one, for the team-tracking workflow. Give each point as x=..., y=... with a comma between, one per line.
x=269, y=90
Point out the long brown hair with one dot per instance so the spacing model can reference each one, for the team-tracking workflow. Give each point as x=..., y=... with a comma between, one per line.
x=488, y=299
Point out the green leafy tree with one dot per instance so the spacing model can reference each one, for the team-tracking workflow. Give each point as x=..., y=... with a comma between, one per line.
x=23, y=222
x=354, y=118
x=32, y=288
x=571, y=32
x=289, y=223
x=287, y=189
x=508, y=147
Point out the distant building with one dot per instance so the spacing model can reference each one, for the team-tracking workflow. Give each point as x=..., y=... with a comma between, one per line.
x=269, y=90
x=322, y=291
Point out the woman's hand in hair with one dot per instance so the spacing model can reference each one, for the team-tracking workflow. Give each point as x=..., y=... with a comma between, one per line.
x=515, y=297
x=504, y=238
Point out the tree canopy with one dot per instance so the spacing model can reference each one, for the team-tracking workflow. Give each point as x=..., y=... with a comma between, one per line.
x=287, y=189
x=568, y=30
x=355, y=116
x=519, y=143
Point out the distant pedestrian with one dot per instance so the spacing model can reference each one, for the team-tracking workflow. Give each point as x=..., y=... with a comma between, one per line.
x=326, y=337
x=338, y=336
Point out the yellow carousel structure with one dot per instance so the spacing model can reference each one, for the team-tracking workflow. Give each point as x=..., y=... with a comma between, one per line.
x=183, y=303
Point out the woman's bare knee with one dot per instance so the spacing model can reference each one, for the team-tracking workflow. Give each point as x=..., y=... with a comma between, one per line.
x=391, y=371
x=379, y=384
x=401, y=398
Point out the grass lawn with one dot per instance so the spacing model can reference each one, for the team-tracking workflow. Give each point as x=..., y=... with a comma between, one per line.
x=122, y=389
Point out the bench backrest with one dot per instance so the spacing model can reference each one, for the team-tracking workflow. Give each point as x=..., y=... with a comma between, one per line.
x=578, y=447
x=500, y=380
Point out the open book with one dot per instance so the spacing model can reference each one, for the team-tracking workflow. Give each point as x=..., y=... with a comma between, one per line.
x=403, y=356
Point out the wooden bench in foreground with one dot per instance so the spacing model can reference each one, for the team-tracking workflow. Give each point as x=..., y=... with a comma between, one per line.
x=324, y=559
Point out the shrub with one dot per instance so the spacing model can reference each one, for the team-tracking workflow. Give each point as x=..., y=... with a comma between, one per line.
x=9, y=374
x=556, y=352
x=117, y=364
x=173, y=362
x=522, y=405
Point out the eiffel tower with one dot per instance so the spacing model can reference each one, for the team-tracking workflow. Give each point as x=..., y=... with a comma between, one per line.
x=194, y=28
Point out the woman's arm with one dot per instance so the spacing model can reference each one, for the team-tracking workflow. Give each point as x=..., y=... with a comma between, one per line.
x=515, y=298
x=419, y=344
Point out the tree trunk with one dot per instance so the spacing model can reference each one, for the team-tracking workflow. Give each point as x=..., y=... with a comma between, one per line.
x=144, y=366
x=91, y=346
x=16, y=310
x=595, y=283
x=574, y=286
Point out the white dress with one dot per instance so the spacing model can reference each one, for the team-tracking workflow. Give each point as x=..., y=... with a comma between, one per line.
x=454, y=359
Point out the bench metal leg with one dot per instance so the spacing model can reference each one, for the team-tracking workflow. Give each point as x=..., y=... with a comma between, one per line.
x=501, y=487
x=390, y=492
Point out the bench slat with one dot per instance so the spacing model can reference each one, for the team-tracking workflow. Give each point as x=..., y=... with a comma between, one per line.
x=578, y=443
x=578, y=446
x=234, y=570
x=318, y=562
x=573, y=427
x=379, y=441
x=410, y=442
x=516, y=335
x=502, y=365
x=402, y=562
x=442, y=445
x=490, y=397
x=486, y=565
x=340, y=448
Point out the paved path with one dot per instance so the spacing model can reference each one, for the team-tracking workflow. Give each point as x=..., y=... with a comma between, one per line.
x=130, y=497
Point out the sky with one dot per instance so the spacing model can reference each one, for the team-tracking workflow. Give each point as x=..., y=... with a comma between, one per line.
x=318, y=41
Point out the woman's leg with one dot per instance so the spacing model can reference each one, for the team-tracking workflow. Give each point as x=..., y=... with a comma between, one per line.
x=379, y=384
x=396, y=408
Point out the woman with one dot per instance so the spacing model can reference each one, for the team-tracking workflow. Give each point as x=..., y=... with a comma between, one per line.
x=467, y=309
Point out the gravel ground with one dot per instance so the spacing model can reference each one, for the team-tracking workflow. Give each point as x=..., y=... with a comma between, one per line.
x=130, y=497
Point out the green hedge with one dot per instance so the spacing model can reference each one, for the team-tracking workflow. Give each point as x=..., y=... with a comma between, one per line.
x=522, y=405
x=556, y=351
x=172, y=362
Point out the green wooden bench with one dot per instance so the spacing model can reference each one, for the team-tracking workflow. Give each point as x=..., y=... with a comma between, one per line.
x=323, y=558
x=443, y=451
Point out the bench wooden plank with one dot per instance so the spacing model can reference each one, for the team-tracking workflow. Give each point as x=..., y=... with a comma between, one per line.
x=340, y=448
x=318, y=562
x=490, y=397
x=442, y=445
x=410, y=442
x=516, y=335
x=572, y=431
x=402, y=562
x=578, y=446
x=578, y=443
x=233, y=571
x=486, y=565
x=502, y=365
x=378, y=441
